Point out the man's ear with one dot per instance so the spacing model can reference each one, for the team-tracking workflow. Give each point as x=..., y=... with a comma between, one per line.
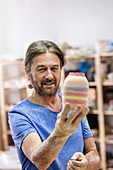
x=27, y=72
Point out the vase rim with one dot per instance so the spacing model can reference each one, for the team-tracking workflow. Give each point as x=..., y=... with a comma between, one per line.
x=77, y=74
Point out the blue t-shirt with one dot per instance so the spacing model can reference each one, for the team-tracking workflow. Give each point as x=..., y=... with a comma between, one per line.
x=28, y=117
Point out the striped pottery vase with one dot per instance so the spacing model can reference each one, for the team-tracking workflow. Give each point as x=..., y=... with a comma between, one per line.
x=75, y=89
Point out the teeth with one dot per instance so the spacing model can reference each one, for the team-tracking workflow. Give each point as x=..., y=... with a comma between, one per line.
x=48, y=83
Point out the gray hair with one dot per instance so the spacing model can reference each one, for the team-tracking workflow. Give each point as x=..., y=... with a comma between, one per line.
x=40, y=47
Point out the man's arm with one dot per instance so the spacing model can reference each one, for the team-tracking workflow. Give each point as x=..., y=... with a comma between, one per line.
x=42, y=154
x=89, y=161
x=91, y=154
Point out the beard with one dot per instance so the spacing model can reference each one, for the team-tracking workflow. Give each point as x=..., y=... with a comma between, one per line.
x=45, y=91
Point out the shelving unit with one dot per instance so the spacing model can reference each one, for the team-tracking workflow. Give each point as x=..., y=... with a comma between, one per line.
x=99, y=84
x=8, y=85
x=12, y=84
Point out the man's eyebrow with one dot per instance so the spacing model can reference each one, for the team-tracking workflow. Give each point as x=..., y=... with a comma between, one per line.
x=38, y=66
x=55, y=65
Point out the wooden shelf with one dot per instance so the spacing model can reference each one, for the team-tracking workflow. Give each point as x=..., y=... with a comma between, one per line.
x=16, y=82
x=109, y=139
x=107, y=83
x=13, y=86
x=93, y=112
x=8, y=82
x=99, y=84
x=15, y=78
x=109, y=54
x=16, y=62
x=92, y=83
x=108, y=113
x=73, y=57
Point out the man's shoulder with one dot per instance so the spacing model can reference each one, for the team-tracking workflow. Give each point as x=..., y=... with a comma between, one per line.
x=20, y=106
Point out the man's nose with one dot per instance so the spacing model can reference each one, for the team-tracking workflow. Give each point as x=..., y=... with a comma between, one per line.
x=49, y=74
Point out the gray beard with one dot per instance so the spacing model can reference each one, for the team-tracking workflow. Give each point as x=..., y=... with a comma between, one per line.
x=42, y=91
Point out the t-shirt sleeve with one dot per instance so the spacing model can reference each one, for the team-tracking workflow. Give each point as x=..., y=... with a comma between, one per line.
x=86, y=128
x=20, y=127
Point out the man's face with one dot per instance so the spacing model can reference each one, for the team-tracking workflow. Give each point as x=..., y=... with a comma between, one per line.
x=45, y=74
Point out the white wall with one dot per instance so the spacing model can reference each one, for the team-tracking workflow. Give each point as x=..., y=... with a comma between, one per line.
x=77, y=22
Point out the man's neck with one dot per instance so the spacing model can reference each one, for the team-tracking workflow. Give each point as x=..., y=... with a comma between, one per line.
x=51, y=102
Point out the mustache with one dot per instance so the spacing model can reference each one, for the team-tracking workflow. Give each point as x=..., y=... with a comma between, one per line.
x=48, y=81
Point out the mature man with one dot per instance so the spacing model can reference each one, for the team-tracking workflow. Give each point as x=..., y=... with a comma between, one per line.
x=46, y=135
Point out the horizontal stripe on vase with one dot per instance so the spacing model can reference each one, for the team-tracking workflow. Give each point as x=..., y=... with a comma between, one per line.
x=75, y=101
x=75, y=97
x=75, y=94
x=76, y=88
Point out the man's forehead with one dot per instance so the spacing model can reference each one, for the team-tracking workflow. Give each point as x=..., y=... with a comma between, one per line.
x=46, y=56
x=46, y=60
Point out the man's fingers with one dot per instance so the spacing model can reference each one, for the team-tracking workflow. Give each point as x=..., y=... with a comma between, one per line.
x=65, y=111
x=82, y=163
x=73, y=115
x=81, y=115
x=69, y=167
x=77, y=156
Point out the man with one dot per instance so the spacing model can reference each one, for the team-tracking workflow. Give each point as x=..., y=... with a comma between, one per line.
x=46, y=135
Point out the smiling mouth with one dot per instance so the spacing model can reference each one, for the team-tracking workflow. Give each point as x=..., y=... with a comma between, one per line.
x=48, y=84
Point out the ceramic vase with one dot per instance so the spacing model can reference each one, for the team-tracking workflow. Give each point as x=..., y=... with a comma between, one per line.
x=75, y=89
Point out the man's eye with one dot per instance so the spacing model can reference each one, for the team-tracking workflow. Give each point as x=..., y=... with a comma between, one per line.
x=55, y=68
x=41, y=69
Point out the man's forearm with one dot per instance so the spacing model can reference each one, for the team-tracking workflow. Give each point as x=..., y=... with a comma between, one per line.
x=47, y=151
x=93, y=160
